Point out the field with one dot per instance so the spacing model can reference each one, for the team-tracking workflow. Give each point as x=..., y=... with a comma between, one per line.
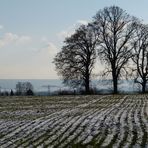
x=74, y=121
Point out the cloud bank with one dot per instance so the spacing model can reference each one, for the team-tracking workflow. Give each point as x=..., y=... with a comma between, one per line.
x=11, y=38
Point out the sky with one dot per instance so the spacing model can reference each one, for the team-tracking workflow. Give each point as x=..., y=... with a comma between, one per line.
x=33, y=31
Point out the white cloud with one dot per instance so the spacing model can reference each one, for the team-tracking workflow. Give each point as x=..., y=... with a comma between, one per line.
x=70, y=30
x=47, y=46
x=44, y=59
x=1, y=27
x=49, y=49
x=10, y=38
x=44, y=39
x=24, y=39
x=82, y=22
x=33, y=60
x=65, y=33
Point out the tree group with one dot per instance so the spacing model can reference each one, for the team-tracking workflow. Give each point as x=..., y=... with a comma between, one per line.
x=24, y=88
x=118, y=39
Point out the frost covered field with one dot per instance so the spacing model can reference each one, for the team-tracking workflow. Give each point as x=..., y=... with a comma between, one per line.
x=74, y=121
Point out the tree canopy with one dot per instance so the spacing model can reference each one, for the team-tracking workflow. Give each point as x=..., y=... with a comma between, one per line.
x=76, y=60
x=140, y=55
x=114, y=37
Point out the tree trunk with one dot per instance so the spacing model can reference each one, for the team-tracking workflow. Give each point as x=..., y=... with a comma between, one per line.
x=115, y=82
x=87, y=76
x=115, y=78
x=143, y=86
x=115, y=85
x=87, y=88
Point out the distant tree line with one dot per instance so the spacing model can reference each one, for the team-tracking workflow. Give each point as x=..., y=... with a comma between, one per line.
x=117, y=39
x=22, y=89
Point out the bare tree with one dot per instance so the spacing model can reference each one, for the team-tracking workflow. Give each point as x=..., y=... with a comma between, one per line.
x=22, y=88
x=116, y=29
x=19, y=88
x=76, y=60
x=140, y=58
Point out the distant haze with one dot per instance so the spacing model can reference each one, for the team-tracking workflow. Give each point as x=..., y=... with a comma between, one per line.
x=41, y=85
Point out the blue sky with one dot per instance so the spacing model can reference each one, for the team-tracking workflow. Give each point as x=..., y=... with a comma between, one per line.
x=32, y=31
